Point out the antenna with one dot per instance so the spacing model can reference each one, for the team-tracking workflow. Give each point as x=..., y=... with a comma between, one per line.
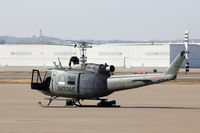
x=55, y=64
x=187, y=64
x=60, y=65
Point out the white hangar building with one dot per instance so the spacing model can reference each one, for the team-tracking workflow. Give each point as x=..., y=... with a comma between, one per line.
x=120, y=55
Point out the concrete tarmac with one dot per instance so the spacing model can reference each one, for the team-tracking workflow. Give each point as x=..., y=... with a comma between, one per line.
x=152, y=109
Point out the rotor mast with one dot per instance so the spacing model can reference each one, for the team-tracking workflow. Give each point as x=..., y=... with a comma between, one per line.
x=83, y=50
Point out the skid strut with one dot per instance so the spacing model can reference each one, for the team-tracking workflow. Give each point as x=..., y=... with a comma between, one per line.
x=51, y=99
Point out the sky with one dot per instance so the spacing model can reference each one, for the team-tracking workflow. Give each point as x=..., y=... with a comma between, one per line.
x=101, y=19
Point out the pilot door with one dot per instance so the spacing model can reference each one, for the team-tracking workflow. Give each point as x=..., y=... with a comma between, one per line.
x=36, y=80
x=37, y=83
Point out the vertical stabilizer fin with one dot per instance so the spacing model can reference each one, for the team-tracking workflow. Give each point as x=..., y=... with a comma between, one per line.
x=175, y=65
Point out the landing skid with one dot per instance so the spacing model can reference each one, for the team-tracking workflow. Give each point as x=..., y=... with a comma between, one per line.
x=80, y=106
x=47, y=106
x=72, y=103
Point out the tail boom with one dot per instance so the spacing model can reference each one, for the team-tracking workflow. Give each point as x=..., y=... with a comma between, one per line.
x=123, y=82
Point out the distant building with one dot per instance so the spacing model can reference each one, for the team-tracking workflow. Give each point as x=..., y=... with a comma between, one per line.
x=2, y=41
x=120, y=55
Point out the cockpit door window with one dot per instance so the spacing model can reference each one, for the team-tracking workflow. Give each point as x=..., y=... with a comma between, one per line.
x=71, y=80
x=47, y=75
x=61, y=79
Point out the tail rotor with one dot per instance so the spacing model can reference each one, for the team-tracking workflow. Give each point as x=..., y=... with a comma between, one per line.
x=187, y=64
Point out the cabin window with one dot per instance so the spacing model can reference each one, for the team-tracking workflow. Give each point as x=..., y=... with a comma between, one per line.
x=71, y=80
x=61, y=79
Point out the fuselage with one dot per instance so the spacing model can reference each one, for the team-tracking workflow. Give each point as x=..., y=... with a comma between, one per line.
x=82, y=84
x=77, y=82
x=88, y=81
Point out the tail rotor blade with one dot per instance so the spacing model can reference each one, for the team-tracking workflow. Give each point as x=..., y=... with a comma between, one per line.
x=187, y=64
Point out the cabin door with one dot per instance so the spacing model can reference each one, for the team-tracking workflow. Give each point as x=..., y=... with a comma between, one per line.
x=67, y=83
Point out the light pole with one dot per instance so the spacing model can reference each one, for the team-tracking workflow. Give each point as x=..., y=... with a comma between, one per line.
x=125, y=61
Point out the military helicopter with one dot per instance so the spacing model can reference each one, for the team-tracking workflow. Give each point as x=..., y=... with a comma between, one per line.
x=89, y=81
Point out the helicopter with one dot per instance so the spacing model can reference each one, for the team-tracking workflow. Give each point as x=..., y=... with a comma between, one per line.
x=88, y=81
